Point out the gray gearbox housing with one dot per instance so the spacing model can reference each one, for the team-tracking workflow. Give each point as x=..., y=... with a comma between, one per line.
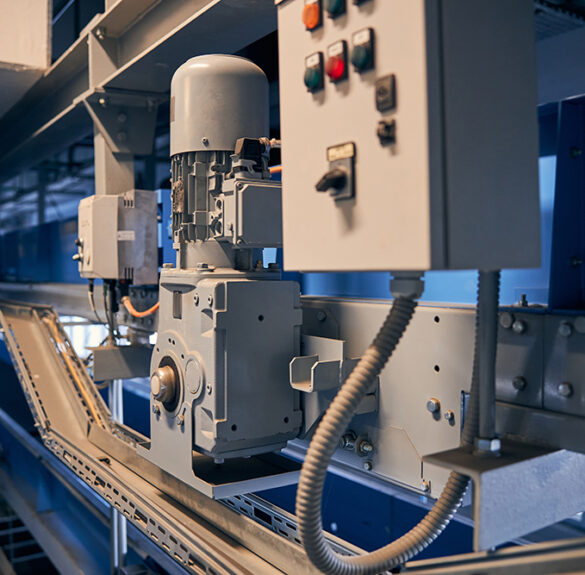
x=230, y=342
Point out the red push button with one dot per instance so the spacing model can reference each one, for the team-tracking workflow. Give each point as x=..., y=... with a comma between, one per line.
x=336, y=66
x=312, y=15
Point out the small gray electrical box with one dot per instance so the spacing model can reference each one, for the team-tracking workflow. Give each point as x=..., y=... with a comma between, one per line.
x=436, y=101
x=118, y=237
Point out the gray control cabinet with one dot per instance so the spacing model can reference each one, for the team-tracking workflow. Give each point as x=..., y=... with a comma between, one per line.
x=118, y=237
x=417, y=119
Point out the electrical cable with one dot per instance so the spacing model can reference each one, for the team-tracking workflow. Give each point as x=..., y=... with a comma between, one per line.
x=90, y=295
x=333, y=425
x=127, y=303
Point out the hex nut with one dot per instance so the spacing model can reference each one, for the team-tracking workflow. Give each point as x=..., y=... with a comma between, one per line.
x=365, y=448
x=433, y=405
x=488, y=445
x=565, y=329
x=519, y=383
x=565, y=389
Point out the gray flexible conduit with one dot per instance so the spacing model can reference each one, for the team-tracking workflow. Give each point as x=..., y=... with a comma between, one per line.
x=326, y=440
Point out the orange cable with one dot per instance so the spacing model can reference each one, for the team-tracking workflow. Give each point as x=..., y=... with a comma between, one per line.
x=134, y=313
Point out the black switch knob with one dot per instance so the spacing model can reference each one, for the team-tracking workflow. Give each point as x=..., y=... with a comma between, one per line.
x=386, y=132
x=334, y=180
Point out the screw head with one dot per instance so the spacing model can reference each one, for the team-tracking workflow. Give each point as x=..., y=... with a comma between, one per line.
x=368, y=466
x=425, y=486
x=519, y=383
x=580, y=324
x=565, y=329
x=321, y=315
x=449, y=416
x=210, y=300
x=506, y=320
x=519, y=326
x=156, y=409
x=565, y=389
x=205, y=141
x=202, y=266
x=196, y=299
x=180, y=420
x=433, y=405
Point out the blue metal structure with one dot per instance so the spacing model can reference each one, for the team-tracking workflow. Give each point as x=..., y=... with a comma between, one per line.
x=361, y=515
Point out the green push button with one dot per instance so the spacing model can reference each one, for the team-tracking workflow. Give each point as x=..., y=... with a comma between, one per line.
x=335, y=7
x=361, y=58
x=313, y=79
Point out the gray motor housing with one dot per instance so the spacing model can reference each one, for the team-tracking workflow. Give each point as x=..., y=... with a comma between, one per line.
x=216, y=99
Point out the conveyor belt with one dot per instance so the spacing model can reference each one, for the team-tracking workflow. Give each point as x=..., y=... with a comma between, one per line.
x=203, y=535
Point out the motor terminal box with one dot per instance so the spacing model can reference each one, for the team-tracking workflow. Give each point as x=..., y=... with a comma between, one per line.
x=436, y=101
x=117, y=237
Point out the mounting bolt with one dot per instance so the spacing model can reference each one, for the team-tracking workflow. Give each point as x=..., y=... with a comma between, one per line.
x=196, y=299
x=519, y=326
x=100, y=33
x=519, y=383
x=209, y=389
x=449, y=416
x=506, y=320
x=368, y=466
x=103, y=102
x=425, y=486
x=347, y=441
x=565, y=389
x=210, y=301
x=565, y=329
x=433, y=405
x=156, y=409
x=180, y=420
x=580, y=324
x=365, y=448
x=202, y=266
x=205, y=141
x=321, y=315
